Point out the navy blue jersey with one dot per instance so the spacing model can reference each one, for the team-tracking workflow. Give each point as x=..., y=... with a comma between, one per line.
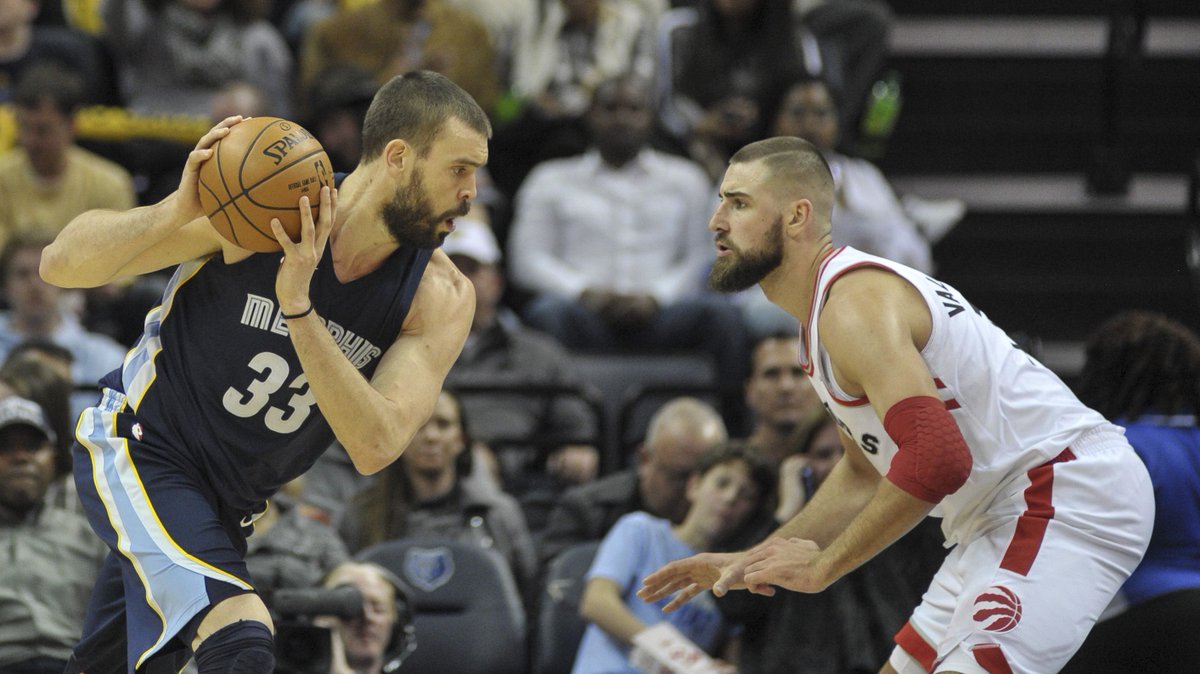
x=216, y=384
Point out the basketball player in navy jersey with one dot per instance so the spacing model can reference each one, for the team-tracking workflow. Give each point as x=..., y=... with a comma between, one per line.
x=1047, y=506
x=253, y=363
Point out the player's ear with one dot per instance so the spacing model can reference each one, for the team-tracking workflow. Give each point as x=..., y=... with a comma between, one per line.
x=799, y=214
x=398, y=155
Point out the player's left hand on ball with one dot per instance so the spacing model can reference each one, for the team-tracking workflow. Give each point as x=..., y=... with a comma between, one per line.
x=300, y=258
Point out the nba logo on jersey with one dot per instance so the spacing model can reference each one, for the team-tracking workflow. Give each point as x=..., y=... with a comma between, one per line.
x=429, y=568
x=997, y=609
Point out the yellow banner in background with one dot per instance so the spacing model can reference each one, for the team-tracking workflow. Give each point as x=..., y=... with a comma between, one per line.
x=116, y=124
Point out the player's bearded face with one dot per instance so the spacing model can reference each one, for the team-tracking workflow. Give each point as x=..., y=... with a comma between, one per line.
x=410, y=218
x=743, y=268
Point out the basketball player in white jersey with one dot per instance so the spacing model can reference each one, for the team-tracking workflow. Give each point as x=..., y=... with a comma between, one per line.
x=1046, y=506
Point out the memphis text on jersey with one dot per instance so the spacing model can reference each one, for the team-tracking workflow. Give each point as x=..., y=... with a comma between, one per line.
x=260, y=312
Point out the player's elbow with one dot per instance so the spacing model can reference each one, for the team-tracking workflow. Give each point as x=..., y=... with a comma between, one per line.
x=57, y=267
x=53, y=267
x=370, y=458
x=933, y=460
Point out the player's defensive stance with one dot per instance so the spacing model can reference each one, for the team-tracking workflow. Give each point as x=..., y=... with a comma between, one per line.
x=1046, y=505
x=253, y=363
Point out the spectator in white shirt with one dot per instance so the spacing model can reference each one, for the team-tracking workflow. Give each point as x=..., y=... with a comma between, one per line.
x=614, y=244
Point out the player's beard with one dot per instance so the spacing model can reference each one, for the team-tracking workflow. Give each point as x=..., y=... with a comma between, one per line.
x=742, y=269
x=409, y=215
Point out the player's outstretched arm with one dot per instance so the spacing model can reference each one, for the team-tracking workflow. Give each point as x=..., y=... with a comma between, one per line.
x=100, y=246
x=688, y=577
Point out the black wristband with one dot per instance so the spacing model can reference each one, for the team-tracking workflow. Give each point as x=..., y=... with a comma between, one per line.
x=302, y=314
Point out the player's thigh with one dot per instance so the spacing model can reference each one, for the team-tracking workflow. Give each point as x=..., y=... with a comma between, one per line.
x=179, y=556
x=918, y=641
x=248, y=606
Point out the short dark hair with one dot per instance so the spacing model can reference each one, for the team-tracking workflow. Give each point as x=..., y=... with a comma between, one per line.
x=40, y=345
x=49, y=81
x=1139, y=362
x=790, y=160
x=416, y=106
x=761, y=472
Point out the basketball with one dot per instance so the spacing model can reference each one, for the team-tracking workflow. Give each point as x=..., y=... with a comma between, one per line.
x=257, y=172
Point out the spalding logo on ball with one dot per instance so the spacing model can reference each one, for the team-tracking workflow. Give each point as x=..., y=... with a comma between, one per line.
x=257, y=172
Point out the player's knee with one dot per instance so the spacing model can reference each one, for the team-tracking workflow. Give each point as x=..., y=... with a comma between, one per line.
x=244, y=647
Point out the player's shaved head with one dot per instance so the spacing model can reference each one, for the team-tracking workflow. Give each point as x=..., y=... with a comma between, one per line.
x=795, y=170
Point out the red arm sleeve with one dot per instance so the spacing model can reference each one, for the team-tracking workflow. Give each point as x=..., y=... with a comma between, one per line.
x=933, y=459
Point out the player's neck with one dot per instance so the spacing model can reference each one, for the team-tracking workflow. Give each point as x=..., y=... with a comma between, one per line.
x=359, y=242
x=791, y=285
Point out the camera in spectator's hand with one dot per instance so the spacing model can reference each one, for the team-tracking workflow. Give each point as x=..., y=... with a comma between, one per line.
x=300, y=646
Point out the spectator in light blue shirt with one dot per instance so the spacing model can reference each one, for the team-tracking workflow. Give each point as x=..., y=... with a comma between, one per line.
x=727, y=489
x=35, y=312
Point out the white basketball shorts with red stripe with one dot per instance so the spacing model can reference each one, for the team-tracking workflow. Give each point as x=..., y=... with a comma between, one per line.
x=1023, y=590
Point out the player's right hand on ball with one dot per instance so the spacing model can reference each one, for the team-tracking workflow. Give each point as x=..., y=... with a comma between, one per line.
x=187, y=197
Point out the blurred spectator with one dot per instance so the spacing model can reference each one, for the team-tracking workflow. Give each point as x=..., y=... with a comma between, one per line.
x=847, y=628
x=337, y=106
x=729, y=484
x=35, y=312
x=289, y=549
x=501, y=352
x=779, y=397
x=423, y=495
x=40, y=370
x=371, y=643
x=173, y=56
x=559, y=61
x=678, y=434
x=48, y=179
x=391, y=37
x=48, y=560
x=24, y=45
x=866, y=212
x=1143, y=372
x=239, y=97
x=854, y=43
x=508, y=23
x=611, y=271
x=720, y=64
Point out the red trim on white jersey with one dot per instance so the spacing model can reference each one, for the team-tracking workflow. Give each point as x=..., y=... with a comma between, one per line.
x=805, y=357
x=1031, y=525
x=852, y=402
x=915, y=645
x=991, y=658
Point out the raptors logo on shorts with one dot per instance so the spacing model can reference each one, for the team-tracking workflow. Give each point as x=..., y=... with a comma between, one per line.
x=997, y=609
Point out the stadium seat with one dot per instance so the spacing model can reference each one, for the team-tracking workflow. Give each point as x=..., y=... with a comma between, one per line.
x=467, y=610
x=559, y=625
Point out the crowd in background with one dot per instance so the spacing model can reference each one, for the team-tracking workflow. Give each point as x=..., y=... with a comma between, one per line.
x=613, y=123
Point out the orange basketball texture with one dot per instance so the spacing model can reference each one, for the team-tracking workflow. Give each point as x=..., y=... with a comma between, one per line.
x=257, y=172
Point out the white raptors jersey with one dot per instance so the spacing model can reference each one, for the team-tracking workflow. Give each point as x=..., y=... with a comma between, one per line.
x=1013, y=411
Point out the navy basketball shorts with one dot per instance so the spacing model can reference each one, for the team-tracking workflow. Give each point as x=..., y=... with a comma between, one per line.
x=175, y=552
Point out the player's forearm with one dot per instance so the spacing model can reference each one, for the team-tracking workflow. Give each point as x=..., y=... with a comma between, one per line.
x=373, y=429
x=842, y=496
x=890, y=514
x=96, y=245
